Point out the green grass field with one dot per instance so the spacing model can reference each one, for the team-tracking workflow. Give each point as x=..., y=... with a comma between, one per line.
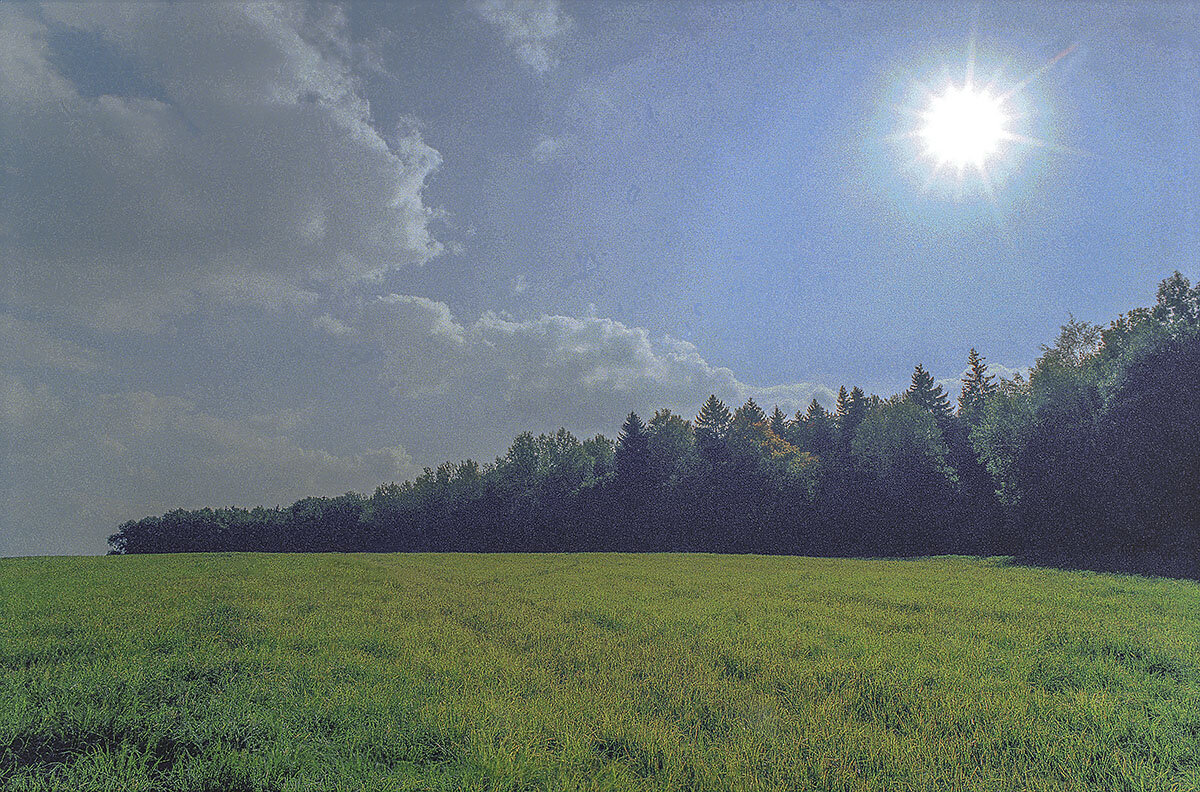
x=307, y=672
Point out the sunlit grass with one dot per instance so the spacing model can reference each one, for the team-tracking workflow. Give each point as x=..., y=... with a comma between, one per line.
x=701, y=672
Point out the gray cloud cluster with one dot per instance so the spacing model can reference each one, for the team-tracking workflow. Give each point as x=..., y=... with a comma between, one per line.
x=232, y=158
x=78, y=462
x=532, y=28
x=159, y=159
x=75, y=464
x=32, y=344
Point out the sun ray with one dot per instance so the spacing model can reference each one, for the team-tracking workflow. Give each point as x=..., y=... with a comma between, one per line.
x=911, y=134
x=911, y=112
x=995, y=78
x=994, y=199
x=1045, y=68
x=916, y=82
x=1046, y=144
x=970, y=78
x=986, y=180
x=930, y=178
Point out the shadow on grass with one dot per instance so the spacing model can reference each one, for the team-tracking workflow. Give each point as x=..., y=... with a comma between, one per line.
x=1179, y=566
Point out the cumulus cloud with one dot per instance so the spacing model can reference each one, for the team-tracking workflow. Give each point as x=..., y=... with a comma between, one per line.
x=210, y=151
x=584, y=373
x=415, y=345
x=76, y=466
x=602, y=368
x=23, y=407
x=531, y=27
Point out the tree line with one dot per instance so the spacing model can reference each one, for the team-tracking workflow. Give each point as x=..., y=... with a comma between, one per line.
x=1093, y=459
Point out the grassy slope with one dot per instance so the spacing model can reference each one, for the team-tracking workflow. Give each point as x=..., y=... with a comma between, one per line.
x=592, y=672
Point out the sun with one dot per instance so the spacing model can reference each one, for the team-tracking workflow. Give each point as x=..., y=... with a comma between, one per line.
x=972, y=130
x=963, y=127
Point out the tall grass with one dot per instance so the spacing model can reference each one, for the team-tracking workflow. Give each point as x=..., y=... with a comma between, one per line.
x=514, y=672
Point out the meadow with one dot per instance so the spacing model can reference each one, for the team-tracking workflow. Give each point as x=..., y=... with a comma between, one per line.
x=590, y=672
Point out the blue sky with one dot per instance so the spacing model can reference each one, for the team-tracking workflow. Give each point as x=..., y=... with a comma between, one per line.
x=258, y=252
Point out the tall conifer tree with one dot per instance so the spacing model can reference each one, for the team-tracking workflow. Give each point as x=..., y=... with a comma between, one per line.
x=925, y=393
x=852, y=408
x=633, y=451
x=978, y=385
x=778, y=422
x=712, y=426
x=821, y=430
x=750, y=413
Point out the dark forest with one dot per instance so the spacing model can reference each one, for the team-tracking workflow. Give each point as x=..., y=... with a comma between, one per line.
x=1092, y=461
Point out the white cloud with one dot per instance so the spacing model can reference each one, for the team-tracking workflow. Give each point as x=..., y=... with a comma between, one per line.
x=415, y=345
x=77, y=466
x=332, y=326
x=598, y=369
x=413, y=318
x=583, y=373
x=24, y=408
x=241, y=165
x=531, y=27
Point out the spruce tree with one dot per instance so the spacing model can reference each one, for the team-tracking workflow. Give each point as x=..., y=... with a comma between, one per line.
x=778, y=422
x=816, y=412
x=750, y=413
x=821, y=429
x=633, y=452
x=852, y=408
x=712, y=426
x=978, y=385
x=924, y=393
x=858, y=403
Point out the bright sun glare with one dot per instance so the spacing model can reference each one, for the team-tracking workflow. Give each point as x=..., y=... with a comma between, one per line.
x=966, y=128
x=963, y=127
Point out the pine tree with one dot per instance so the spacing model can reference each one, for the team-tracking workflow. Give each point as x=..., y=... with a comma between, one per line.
x=633, y=452
x=634, y=484
x=712, y=426
x=858, y=401
x=852, y=408
x=750, y=413
x=820, y=429
x=925, y=393
x=978, y=386
x=672, y=445
x=816, y=412
x=778, y=422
